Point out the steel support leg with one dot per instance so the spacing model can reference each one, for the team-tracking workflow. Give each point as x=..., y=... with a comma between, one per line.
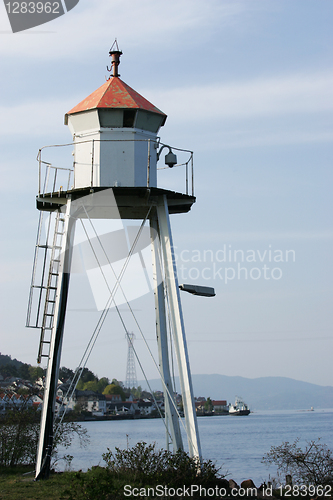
x=178, y=328
x=162, y=340
x=47, y=417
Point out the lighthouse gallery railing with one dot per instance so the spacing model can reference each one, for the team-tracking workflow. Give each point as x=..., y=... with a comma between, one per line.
x=54, y=180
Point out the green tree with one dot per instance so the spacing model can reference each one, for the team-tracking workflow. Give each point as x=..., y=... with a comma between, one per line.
x=35, y=372
x=87, y=375
x=115, y=389
x=9, y=370
x=208, y=405
x=136, y=391
x=24, y=372
x=92, y=385
x=102, y=383
x=117, y=382
x=65, y=374
x=80, y=385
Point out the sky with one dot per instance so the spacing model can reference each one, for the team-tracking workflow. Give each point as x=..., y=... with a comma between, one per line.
x=247, y=86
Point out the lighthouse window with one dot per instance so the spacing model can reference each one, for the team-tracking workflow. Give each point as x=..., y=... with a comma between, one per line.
x=129, y=117
x=110, y=118
x=149, y=121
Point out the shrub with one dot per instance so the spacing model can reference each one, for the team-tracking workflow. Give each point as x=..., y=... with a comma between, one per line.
x=94, y=484
x=143, y=467
x=143, y=463
x=313, y=466
x=19, y=434
x=18, y=437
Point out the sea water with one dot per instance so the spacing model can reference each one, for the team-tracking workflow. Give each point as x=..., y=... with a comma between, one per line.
x=234, y=443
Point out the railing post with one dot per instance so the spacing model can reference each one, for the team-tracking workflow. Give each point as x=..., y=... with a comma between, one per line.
x=186, y=177
x=55, y=180
x=148, y=166
x=39, y=170
x=47, y=175
x=192, y=174
x=92, y=163
x=69, y=180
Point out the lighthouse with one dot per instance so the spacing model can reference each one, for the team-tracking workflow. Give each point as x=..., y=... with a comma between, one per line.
x=115, y=128
x=116, y=150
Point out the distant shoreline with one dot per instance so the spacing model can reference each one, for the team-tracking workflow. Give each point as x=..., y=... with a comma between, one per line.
x=135, y=417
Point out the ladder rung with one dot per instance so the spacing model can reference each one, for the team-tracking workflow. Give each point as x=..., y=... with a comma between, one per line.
x=49, y=280
x=45, y=342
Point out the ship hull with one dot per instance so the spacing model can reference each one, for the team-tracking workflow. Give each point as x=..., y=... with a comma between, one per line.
x=240, y=412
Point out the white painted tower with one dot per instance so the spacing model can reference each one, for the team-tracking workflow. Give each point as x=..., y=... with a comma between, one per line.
x=116, y=150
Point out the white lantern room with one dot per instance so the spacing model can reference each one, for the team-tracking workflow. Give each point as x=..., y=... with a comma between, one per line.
x=115, y=136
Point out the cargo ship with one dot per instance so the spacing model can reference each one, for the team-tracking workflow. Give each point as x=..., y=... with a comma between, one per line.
x=239, y=408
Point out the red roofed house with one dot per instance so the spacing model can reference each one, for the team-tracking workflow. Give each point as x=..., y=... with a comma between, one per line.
x=220, y=406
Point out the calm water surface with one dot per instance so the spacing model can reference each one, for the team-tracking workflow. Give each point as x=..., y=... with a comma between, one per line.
x=237, y=444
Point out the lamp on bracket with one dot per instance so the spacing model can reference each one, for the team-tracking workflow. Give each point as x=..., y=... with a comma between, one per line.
x=170, y=158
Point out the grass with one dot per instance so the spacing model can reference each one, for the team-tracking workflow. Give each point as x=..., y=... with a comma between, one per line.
x=98, y=483
x=142, y=466
x=16, y=485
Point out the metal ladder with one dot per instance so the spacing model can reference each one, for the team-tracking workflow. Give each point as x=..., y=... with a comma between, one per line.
x=43, y=292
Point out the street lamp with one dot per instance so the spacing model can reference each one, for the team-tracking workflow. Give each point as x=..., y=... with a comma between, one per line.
x=203, y=291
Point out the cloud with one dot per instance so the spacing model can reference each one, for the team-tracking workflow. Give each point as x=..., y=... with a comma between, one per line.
x=16, y=271
x=292, y=96
x=236, y=236
x=247, y=135
x=88, y=25
x=262, y=97
x=35, y=118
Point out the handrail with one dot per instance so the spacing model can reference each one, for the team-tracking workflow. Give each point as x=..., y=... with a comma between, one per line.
x=48, y=170
x=52, y=172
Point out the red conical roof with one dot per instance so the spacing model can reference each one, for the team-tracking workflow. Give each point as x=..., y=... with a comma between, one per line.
x=115, y=94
